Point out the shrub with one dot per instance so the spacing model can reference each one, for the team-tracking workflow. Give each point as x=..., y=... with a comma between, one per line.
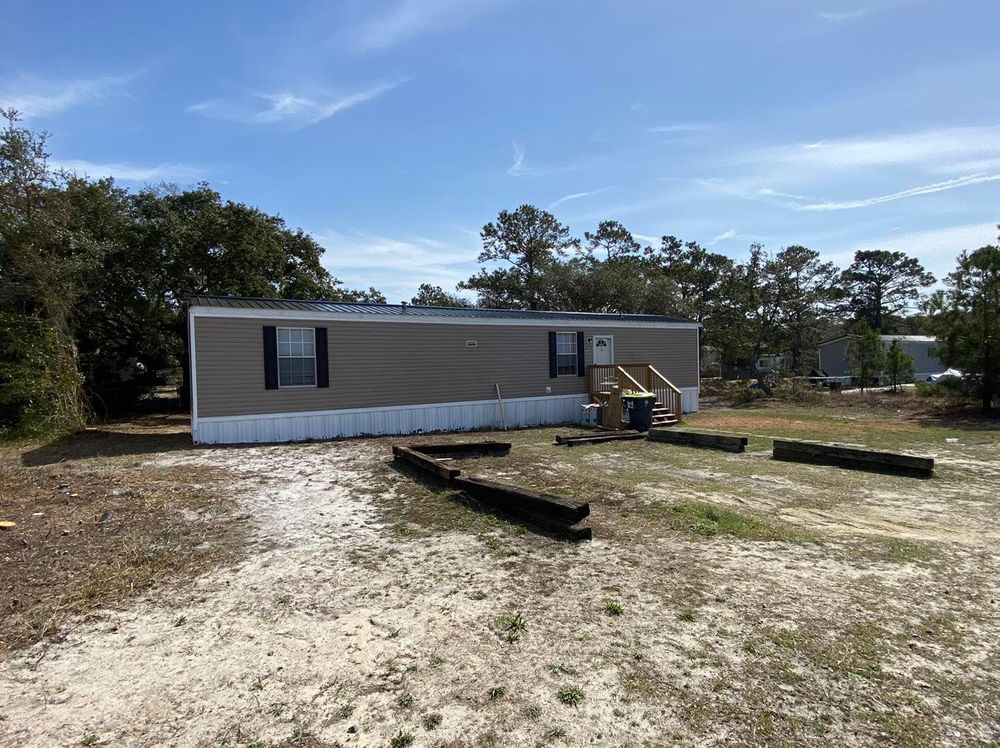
x=746, y=396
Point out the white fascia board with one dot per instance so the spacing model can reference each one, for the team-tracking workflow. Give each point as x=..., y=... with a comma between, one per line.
x=291, y=314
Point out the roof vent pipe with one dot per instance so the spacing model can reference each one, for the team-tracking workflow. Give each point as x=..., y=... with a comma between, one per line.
x=403, y=304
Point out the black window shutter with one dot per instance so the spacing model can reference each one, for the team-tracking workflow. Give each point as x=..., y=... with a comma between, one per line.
x=579, y=354
x=553, y=370
x=322, y=361
x=270, y=358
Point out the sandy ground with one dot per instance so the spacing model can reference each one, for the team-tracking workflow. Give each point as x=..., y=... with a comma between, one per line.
x=356, y=620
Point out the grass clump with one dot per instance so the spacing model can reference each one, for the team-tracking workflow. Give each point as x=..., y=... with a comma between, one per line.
x=497, y=692
x=570, y=695
x=533, y=712
x=686, y=616
x=346, y=710
x=401, y=739
x=512, y=626
x=613, y=608
x=405, y=700
x=432, y=721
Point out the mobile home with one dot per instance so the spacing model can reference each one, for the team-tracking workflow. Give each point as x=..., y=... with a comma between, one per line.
x=274, y=370
x=834, y=359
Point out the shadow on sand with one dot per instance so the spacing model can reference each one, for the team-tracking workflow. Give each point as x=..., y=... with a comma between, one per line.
x=142, y=436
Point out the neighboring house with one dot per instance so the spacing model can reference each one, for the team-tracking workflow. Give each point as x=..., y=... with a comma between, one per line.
x=834, y=361
x=711, y=361
x=271, y=370
x=779, y=362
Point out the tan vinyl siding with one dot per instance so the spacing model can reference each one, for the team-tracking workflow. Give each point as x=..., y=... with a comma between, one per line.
x=375, y=364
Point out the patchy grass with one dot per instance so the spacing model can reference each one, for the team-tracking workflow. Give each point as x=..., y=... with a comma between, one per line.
x=96, y=526
x=708, y=520
x=727, y=598
x=880, y=423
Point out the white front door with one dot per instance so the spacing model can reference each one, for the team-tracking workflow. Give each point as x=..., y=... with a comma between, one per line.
x=604, y=349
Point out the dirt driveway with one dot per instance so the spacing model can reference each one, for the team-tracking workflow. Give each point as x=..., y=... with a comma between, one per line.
x=726, y=599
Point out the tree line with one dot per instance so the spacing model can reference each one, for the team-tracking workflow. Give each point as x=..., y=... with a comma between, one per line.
x=94, y=278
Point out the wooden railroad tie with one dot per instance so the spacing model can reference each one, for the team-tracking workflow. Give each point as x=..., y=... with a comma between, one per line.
x=857, y=458
x=727, y=442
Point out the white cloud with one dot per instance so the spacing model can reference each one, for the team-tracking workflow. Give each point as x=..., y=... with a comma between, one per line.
x=396, y=266
x=926, y=189
x=727, y=234
x=682, y=127
x=130, y=172
x=520, y=167
x=847, y=15
x=864, y=11
x=977, y=166
x=288, y=108
x=517, y=168
x=577, y=196
x=768, y=192
x=931, y=148
x=34, y=97
x=409, y=18
x=937, y=249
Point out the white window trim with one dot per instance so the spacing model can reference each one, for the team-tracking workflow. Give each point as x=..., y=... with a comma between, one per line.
x=576, y=353
x=278, y=356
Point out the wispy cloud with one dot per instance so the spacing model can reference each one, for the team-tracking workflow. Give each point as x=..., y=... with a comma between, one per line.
x=287, y=108
x=406, y=19
x=936, y=248
x=927, y=189
x=768, y=192
x=577, y=196
x=35, y=97
x=130, y=172
x=936, y=147
x=727, y=234
x=680, y=127
x=520, y=167
x=517, y=167
x=396, y=265
x=861, y=11
x=847, y=15
x=810, y=203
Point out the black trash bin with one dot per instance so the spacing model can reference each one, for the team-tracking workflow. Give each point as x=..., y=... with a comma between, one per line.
x=639, y=406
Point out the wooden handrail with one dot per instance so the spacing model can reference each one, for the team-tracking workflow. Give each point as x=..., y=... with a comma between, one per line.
x=621, y=376
x=666, y=381
x=632, y=379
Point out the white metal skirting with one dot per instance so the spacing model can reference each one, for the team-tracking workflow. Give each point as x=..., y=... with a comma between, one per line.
x=689, y=399
x=404, y=419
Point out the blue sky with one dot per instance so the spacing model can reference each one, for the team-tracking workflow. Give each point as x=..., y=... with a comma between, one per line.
x=393, y=130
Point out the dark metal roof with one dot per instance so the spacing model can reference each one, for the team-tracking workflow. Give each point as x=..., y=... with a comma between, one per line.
x=350, y=307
